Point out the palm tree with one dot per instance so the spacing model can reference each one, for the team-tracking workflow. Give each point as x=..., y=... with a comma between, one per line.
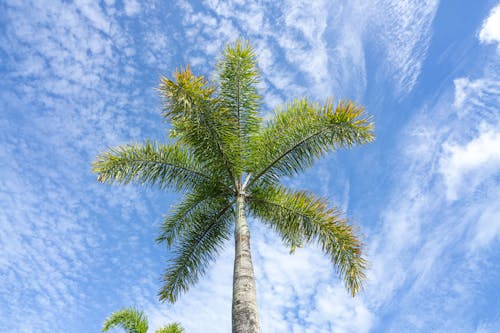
x=134, y=321
x=228, y=163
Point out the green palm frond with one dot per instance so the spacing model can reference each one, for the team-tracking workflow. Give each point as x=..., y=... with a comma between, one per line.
x=152, y=164
x=238, y=77
x=192, y=209
x=171, y=328
x=197, y=249
x=301, y=133
x=130, y=319
x=300, y=216
x=199, y=121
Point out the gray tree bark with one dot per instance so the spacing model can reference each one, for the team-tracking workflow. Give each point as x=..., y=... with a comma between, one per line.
x=244, y=311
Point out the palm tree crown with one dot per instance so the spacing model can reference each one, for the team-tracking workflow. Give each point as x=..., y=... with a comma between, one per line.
x=134, y=321
x=228, y=163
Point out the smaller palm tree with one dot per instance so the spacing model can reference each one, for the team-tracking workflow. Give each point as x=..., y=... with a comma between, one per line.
x=171, y=328
x=134, y=321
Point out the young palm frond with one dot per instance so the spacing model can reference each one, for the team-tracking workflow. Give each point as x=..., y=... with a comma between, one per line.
x=200, y=123
x=134, y=321
x=237, y=75
x=130, y=319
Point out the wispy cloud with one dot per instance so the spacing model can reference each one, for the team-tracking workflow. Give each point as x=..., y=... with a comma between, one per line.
x=64, y=97
x=444, y=211
x=318, y=49
x=405, y=29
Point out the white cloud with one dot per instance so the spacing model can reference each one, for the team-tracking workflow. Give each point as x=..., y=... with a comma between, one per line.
x=337, y=312
x=465, y=166
x=206, y=307
x=472, y=156
x=488, y=327
x=490, y=30
x=462, y=85
x=132, y=7
x=91, y=10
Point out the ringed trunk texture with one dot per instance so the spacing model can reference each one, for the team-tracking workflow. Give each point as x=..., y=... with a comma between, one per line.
x=244, y=312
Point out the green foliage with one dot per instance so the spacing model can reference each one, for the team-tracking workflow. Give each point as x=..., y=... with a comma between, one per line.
x=301, y=132
x=237, y=78
x=191, y=210
x=171, y=328
x=130, y=319
x=299, y=216
x=221, y=148
x=134, y=321
x=152, y=164
x=197, y=249
x=200, y=123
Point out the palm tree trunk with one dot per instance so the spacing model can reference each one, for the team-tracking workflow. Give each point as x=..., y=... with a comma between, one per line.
x=244, y=313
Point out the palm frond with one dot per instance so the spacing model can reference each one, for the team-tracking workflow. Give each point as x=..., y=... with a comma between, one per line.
x=300, y=216
x=237, y=78
x=171, y=328
x=130, y=319
x=301, y=133
x=196, y=250
x=192, y=209
x=199, y=121
x=152, y=164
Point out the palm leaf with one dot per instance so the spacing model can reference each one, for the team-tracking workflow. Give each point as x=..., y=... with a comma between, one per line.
x=130, y=319
x=152, y=164
x=219, y=139
x=196, y=250
x=300, y=216
x=301, y=133
x=192, y=209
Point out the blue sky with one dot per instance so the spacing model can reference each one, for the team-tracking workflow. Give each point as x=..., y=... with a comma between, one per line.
x=79, y=76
